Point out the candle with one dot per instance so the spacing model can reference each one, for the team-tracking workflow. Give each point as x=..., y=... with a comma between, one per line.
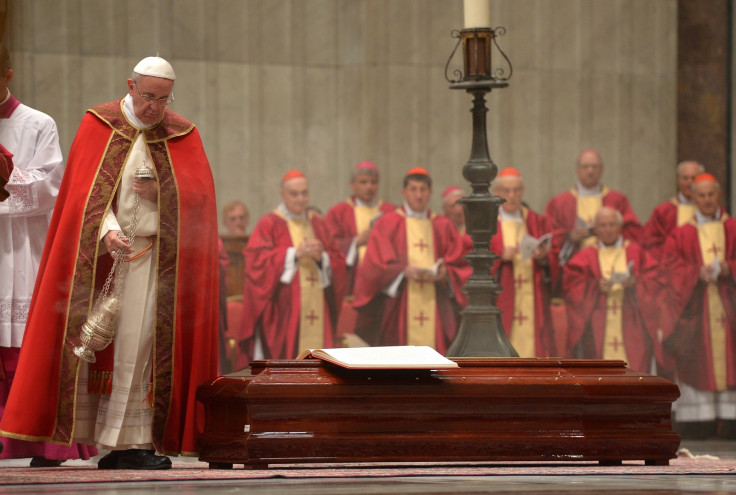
x=477, y=13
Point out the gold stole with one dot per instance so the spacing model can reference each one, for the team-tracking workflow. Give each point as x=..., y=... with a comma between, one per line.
x=312, y=304
x=522, y=324
x=712, y=240
x=587, y=207
x=684, y=212
x=610, y=260
x=420, y=295
x=363, y=217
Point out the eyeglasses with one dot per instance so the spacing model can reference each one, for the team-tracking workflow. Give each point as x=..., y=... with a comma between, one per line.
x=151, y=99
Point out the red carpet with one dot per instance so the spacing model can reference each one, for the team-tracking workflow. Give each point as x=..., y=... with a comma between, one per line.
x=189, y=470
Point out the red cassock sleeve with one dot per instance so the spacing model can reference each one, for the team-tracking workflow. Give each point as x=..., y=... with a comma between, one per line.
x=340, y=224
x=560, y=215
x=683, y=259
x=264, y=263
x=384, y=260
x=661, y=223
x=580, y=278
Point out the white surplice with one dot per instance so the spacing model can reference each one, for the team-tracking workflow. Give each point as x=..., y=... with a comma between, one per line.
x=32, y=138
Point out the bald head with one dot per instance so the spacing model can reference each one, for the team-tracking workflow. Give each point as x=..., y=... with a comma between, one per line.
x=607, y=225
x=589, y=168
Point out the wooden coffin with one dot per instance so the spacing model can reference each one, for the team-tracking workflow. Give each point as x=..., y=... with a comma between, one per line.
x=485, y=410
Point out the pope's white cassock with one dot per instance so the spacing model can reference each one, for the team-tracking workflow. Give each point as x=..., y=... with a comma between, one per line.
x=32, y=138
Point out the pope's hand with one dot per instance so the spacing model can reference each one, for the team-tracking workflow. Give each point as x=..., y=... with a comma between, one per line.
x=146, y=189
x=113, y=242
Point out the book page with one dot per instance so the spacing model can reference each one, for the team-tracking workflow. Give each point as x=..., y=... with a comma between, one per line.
x=389, y=357
x=529, y=244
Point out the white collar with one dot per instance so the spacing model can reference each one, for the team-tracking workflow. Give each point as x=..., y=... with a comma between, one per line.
x=683, y=200
x=414, y=214
x=7, y=97
x=593, y=191
x=619, y=243
x=700, y=219
x=360, y=202
x=289, y=215
x=515, y=216
x=130, y=113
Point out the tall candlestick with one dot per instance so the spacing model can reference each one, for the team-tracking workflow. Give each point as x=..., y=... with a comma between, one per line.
x=477, y=13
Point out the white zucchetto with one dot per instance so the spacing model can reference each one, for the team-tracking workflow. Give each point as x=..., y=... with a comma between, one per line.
x=156, y=67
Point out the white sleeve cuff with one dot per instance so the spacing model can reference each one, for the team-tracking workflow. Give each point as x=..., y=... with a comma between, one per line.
x=392, y=289
x=289, y=266
x=325, y=272
x=352, y=254
x=109, y=223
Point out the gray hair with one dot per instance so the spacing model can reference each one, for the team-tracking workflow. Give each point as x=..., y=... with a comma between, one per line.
x=681, y=165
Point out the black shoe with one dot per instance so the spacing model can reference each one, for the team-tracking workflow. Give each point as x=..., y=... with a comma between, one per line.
x=40, y=461
x=110, y=461
x=134, y=459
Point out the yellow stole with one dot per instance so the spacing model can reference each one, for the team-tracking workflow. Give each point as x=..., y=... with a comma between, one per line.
x=312, y=305
x=587, y=207
x=363, y=217
x=684, y=212
x=522, y=325
x=610, y=260
x=420, y=295
x=712, y=240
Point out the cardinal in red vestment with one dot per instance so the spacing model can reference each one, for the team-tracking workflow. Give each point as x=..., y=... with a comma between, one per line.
x=412, y=274
x=672, y=213
x=524, y=298
x=613, y=297
x=701, y=263
x=349, y=223
x=570, y=214
x=172, y=334
x=292, y=268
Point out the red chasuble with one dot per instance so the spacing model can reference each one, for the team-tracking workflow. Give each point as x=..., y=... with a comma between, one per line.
x=688, y=337
x=340, y=221
x=561, y=214
x=386, y=257
x=588, y=307
x=544, y=344
x=665, y=218
x=41, y=402
x=271, y=308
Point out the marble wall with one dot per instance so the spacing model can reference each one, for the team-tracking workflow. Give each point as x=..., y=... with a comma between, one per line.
x=322, y=84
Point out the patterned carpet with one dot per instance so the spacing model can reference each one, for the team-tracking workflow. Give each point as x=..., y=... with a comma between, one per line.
x=195, y=470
